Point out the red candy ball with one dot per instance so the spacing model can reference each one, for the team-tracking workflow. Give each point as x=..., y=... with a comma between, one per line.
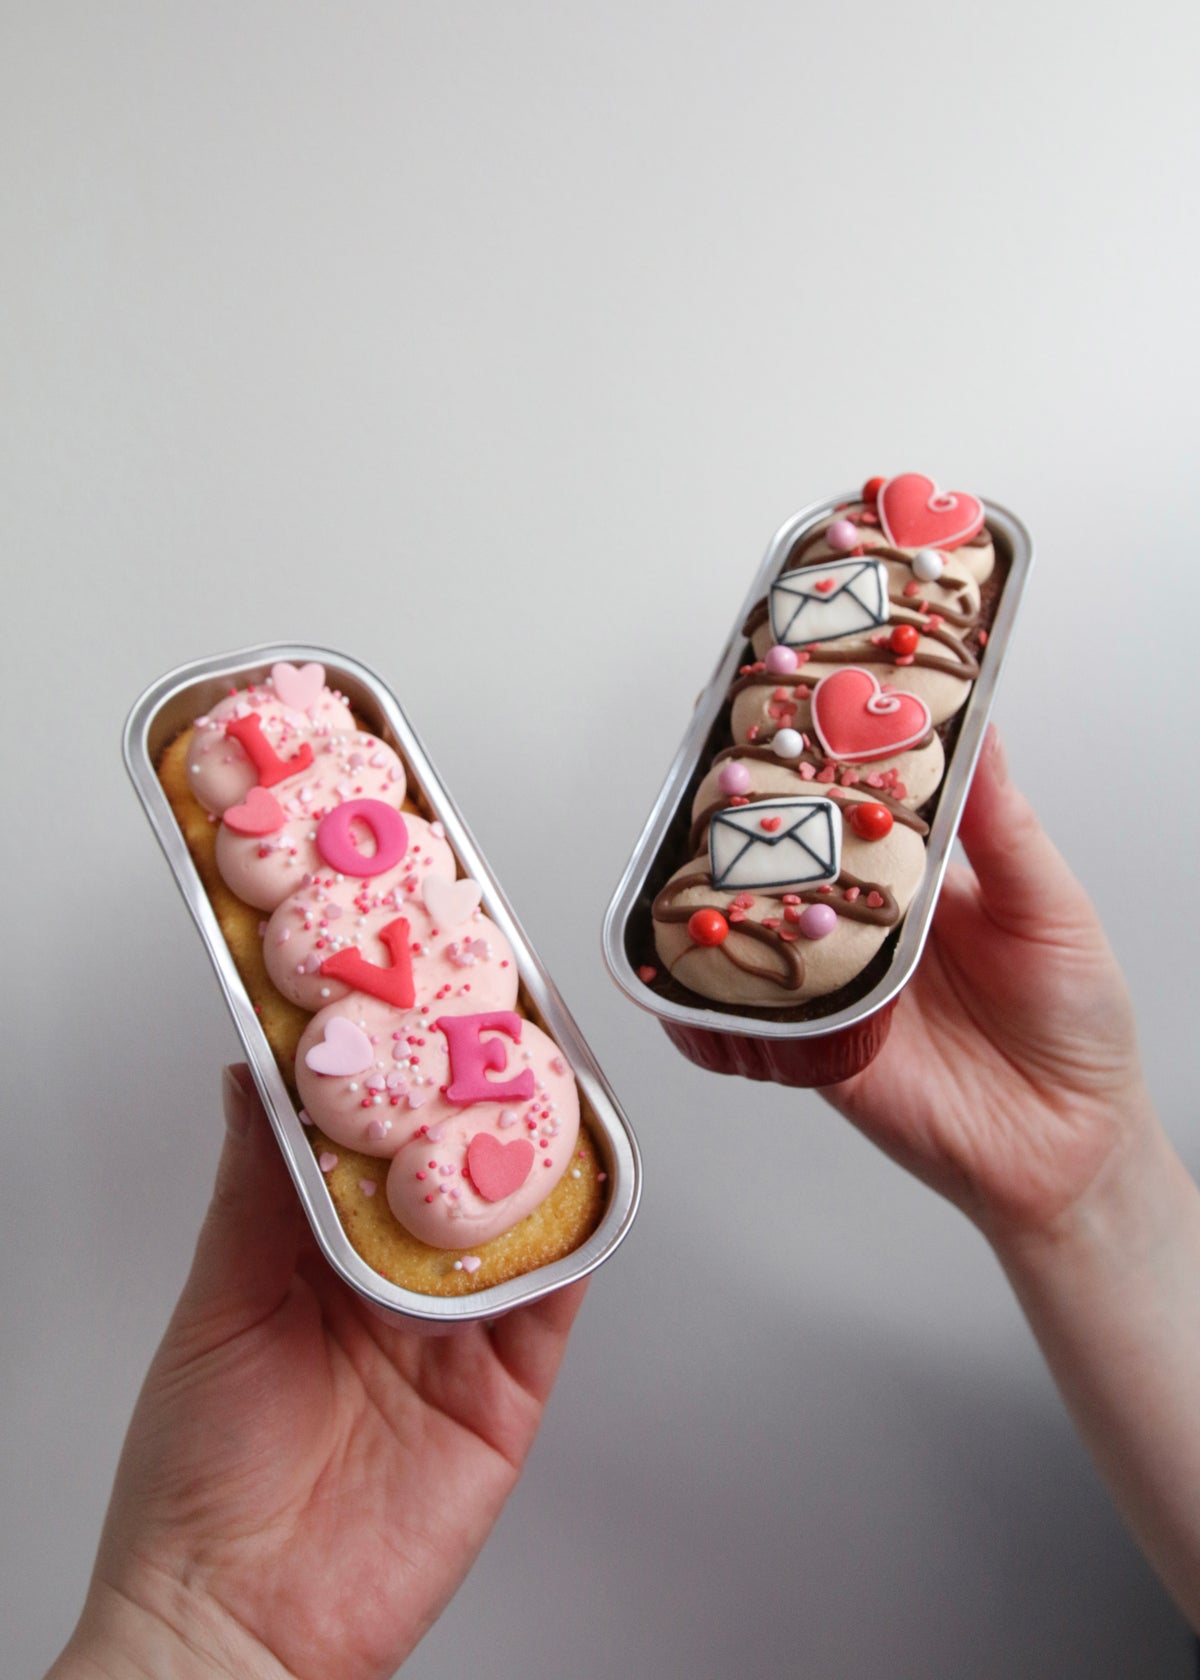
x=869, y=820
x=707, y=927
x=872, y=488
x=903, y=639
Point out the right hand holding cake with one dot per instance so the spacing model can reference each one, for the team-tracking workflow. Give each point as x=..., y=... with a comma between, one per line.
x=1011, y=1084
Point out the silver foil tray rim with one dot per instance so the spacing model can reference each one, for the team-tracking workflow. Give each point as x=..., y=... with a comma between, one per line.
x=1009, y=533
x=173, y=702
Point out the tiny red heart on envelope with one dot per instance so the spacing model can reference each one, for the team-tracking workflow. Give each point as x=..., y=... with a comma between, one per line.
x=498, y=1169
x=825, y=585
x=260, y=813
x=770, y=823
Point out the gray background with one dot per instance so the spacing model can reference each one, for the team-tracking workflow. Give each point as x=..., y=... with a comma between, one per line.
x=489, y=344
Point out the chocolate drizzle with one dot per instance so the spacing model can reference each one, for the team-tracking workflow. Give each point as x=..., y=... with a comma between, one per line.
x=666, y=909
x=964, y=663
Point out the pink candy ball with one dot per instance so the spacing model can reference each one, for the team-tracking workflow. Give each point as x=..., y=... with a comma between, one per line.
x=733, y=777
x=842, y=534
x=781, y=660
x=817, y=921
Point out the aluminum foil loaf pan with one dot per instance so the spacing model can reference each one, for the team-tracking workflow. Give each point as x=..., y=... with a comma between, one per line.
x=824, y=1040
x=170, y=706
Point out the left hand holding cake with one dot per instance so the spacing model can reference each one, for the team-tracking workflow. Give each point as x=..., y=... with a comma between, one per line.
x=303, y=1486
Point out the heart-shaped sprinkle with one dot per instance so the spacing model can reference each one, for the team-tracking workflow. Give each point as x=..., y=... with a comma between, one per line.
x=326, y=1161
x=770, y=823
x=914, y=513
x=465, y=953
x=345, y=1049
x=498, y=1169
x=824, y=585
x=451, y=902
x=298, y=686
x=368, y=1186
x=260, y=813
x=856, y=720
x=469, y=1263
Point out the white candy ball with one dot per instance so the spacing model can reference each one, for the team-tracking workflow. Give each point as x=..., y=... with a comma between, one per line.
x=787, y=743
x=928, y=565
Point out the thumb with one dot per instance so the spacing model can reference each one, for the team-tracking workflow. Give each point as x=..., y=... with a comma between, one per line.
x=1024, y=882
x=246, y=1252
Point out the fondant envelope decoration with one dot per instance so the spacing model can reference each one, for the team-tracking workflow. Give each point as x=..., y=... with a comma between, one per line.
x=821, y=603
x=775, y=845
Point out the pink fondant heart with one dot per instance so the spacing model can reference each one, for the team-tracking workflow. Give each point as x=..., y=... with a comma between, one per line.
x=298, y=686
x=856, y=720
x=345, y=1049
x=498, y=1169
x=450, y=902
x=914, y=513
x=260, y=813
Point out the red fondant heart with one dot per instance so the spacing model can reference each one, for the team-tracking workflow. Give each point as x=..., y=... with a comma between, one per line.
x=498, y=1169
x=770, y=823
x=914, y=513
x=856, y=720
x=825, y=585
x=261, y=813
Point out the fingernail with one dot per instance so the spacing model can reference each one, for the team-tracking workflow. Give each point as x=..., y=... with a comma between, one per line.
x=236, y=1103
x=997, y=754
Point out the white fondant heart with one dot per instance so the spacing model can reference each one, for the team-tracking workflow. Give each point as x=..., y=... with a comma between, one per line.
x=451, y=902
x=345, y=1049
x=298, y=686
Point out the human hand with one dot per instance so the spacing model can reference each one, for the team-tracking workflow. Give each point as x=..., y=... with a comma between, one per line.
x=303, y=1486
x=1010, y=1081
